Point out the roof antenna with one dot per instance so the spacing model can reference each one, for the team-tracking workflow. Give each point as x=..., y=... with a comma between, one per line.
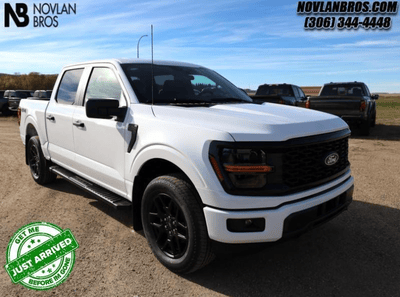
x=152, y=72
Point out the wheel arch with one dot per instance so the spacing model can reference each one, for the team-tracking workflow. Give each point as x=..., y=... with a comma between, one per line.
x=150, y=170
x=30, y=132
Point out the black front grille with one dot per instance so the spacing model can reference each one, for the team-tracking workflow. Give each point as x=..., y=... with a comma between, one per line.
x=305, y=164
x=299, y=163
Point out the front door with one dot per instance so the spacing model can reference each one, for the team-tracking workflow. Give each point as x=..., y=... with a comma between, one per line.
x=100, y=143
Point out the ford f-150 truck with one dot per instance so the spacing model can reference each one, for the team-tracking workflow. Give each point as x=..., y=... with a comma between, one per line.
x=200, y=166
x=280, y=93
x=14, y=98
x=352, y=101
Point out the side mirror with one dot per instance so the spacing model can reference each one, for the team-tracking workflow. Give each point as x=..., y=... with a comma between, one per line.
x=105, y=109
x=375, y=97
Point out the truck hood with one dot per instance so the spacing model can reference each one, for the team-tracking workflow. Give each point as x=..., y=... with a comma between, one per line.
x=252, y=122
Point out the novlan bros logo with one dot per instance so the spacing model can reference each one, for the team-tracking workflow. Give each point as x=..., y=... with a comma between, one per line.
x=21, y=11
x=44, y=14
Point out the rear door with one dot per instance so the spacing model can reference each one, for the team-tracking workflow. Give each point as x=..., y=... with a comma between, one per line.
x=100, y=143
x=59, y=118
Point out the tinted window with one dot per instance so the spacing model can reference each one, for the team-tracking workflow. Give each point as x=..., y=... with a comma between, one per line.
x=367, y=91
x=180, y=84
x=69, y=85
x=296, y=92
x=343, y=90
x=21, y=94
x=302, y=95
x=103, y=84
x=284, y=90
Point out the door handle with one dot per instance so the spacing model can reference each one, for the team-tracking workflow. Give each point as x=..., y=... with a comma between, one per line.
x=79, y=124
x=50, y=118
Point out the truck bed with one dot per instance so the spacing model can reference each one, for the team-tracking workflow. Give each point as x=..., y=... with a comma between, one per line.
x=37, y=110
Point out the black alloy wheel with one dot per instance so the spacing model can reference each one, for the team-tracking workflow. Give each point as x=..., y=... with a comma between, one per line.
x=174, y=224
x=38, y=164
x=169, y=226
x=34, y=161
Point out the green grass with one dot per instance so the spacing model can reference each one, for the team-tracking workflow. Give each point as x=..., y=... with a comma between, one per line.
x=388, y=109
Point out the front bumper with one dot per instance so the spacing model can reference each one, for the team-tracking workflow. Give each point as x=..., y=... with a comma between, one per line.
x=287, y=220
x=13, y=105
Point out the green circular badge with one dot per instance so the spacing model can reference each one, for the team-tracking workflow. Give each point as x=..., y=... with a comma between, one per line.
x=40, y=256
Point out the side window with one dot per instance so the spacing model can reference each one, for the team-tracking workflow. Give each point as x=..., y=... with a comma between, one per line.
x=296, y=92
x=367, y=91
x=69, y=85
x=103, y=84
x=302, y=95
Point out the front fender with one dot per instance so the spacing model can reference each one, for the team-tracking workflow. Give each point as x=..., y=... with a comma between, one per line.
x=168, y=154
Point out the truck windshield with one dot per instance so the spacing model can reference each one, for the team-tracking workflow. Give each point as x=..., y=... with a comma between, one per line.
x=21, y=94
x=343, y=90
x=283, y=90
x=181, y=84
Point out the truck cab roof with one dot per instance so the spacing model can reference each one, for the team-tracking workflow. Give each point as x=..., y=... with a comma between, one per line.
x=135, y=61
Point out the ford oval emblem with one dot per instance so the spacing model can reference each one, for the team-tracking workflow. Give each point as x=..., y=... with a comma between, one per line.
x=331, y=159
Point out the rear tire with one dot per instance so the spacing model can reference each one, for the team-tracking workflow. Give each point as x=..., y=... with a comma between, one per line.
x=373, y=122
x=5, y=111
x=37, y=162
x=366, y=126
x=174, y=224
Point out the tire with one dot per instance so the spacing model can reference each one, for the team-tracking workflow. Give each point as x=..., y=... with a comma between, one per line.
x=38, y=164
x=5, y=111
x=373, y=122
x=174, y=224
x=366, y=126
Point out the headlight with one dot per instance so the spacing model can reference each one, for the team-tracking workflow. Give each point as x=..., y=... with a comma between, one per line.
x=245, y=168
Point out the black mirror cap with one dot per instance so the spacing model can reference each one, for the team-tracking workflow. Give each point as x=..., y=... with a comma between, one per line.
x=375, y=97
x=105, y=109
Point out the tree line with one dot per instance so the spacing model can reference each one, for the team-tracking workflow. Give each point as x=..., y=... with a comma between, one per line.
x=32, y=81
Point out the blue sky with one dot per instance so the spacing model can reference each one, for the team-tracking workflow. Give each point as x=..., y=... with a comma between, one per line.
x=248, y=42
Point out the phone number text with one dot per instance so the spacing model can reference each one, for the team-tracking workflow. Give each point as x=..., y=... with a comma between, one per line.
x=330, y=23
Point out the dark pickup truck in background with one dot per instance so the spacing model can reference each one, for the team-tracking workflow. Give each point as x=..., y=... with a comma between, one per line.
x=3, y=103
x=280, y=93
x=41, y=95
x=352, y=101
x=14, y=98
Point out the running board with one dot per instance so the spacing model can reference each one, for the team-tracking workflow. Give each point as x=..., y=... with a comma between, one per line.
x=99, y=192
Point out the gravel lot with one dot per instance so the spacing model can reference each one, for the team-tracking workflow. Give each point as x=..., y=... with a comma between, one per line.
x=356, y=254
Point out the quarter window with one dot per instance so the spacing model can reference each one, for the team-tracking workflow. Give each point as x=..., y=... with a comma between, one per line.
x=68, y=87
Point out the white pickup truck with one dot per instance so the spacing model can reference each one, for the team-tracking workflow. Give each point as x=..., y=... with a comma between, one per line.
x=197, y=161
